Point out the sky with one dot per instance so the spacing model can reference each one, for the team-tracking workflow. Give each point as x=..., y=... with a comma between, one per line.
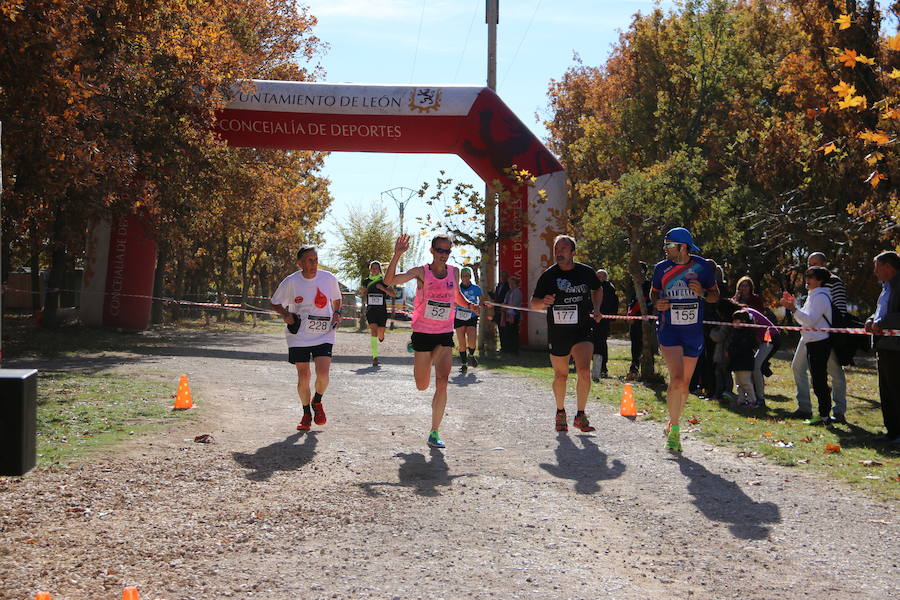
x=432, y=42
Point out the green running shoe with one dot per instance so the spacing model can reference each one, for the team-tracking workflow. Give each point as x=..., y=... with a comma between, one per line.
x=434, y=440
x=673, y=440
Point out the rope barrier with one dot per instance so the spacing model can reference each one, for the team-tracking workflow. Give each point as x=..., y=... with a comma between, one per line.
x=854, y=331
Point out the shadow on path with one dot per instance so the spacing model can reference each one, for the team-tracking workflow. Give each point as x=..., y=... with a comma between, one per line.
x=280, y=456
x=424, y=476
x=586, y=466
x=722, y=500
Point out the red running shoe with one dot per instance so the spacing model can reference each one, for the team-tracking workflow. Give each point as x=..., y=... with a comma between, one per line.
x=581, y=422
x=305, y=423
x=319, y=412
x=561, y=424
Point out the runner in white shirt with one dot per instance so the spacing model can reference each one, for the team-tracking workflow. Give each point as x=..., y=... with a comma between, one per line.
x=309, y=301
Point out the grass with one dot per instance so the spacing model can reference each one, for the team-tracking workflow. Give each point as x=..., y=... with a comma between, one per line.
x=78, y=413
x=761, y=433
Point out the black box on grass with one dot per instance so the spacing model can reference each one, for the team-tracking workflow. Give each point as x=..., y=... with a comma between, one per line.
x=18, y=421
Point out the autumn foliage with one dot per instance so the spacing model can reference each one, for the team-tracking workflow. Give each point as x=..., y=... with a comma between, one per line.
x=106, y=108
x=770, y=128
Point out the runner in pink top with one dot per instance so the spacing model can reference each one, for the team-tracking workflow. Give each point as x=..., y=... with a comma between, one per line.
x=437, y=293
x=435, y=303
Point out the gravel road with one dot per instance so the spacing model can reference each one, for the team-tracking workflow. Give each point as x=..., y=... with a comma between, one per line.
x=362, y=508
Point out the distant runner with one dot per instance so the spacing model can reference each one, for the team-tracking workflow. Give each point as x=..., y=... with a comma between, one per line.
x=466, y=321
x=682, y=284
x=377, y=294
x=437, y=294
x=309, y=301
x=571, y=294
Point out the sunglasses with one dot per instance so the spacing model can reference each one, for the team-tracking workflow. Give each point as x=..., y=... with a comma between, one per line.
x=443, y=250
x=670, y=245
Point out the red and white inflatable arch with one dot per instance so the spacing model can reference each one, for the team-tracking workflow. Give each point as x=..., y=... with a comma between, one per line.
x=471, y=122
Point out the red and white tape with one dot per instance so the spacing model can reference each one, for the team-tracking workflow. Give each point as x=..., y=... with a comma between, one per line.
x=855, y=331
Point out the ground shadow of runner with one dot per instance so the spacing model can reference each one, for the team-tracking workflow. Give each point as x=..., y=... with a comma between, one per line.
x=586, y=466
x=280, y=456
x=464, y=379
x=425, y=477
x=722, y=500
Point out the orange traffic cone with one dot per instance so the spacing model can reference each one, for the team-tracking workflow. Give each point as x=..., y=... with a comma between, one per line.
x=42, y=596
x=628, y=409
x=131, y=593
x=767, y=336
x=183, y=397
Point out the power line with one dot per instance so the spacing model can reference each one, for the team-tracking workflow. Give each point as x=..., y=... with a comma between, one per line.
x=418, y=39
x=522, y=41
x=466, y=43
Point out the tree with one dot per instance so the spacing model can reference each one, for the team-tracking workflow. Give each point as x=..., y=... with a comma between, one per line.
x=365, y=236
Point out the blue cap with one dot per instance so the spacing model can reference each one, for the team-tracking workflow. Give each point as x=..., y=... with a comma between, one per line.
x=682, y=236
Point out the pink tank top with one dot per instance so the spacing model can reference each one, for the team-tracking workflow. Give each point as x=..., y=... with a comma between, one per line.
x=435, y=303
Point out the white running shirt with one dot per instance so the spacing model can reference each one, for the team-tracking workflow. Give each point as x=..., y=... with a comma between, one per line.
x=311, y=299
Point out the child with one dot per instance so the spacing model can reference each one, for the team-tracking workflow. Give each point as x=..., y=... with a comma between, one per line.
x=742, y=350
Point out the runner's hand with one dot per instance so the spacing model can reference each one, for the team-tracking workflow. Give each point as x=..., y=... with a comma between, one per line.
x=695, y=287
x=288, y=318
x=549, y=300
x=597, y=316
x=662, y=304
x=401, y=245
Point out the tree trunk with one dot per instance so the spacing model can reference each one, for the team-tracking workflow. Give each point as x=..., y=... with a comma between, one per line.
x=35, y=264
x=57, y=277
x=159, y=281
x=648, y=368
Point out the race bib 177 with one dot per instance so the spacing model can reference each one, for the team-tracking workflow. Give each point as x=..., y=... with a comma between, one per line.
x=565, y=314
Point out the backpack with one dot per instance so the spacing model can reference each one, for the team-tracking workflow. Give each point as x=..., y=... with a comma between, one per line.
x=845, y=345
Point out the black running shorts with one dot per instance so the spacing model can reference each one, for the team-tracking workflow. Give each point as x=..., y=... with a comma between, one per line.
x=303, y=354
x=426, y=342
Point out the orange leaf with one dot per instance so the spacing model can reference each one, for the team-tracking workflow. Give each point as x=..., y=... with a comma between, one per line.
x=893, y=43
x=843, y=21
x=832, y=448
x=874, y=157
x=876, y=137
x=848, y=57
x=875, y=178
x=844, y=89
x=865, y=59
x=827, y=148
x=693, y=420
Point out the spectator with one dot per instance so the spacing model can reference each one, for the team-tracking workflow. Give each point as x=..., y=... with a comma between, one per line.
x=498, y=295
x=609, y=306
x=636, y=327
x=887, y=316
x=509, y=319
x=745, y=294
x=815, y=313
x=835, y=370
x=742, y=347
x=720, y=336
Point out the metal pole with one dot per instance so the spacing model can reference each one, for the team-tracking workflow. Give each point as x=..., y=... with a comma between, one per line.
x=486, y=339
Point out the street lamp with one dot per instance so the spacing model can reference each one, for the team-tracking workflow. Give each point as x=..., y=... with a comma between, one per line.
x=401, y=197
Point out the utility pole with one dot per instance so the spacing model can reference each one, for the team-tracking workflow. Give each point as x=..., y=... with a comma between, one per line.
x=401, y=197
x=487, y=341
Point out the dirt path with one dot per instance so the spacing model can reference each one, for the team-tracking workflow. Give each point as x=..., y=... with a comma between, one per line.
x=363, y=509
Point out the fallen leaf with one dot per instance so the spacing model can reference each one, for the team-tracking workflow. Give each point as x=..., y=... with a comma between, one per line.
x=806, y=439
x=870, y=463
x=693, y=420
x=832, y=448
x=767, y=434
x=204, y=438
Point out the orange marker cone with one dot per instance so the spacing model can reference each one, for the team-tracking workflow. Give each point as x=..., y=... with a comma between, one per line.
x=131, y=593
x=628, y=409
x=183, y=397
x=767, y=336
x=42, y=596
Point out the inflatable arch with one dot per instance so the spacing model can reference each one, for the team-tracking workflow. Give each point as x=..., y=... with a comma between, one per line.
x=471, y=122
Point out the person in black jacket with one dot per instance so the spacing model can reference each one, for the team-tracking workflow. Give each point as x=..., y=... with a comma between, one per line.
x=887, y=316
x=609, y=306
x=741, y=357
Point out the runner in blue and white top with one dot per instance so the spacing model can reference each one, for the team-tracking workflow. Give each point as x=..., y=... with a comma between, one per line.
x=682, y=284
x=466, y=320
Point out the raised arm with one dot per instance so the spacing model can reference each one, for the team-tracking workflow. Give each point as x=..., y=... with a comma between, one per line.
x=391, y=277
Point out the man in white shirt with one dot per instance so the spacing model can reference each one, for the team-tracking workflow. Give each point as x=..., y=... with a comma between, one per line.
x=309, y=301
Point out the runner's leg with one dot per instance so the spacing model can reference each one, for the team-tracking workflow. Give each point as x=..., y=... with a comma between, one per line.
x=375, y=336
x=422, y=370
x=472, y=344
x=681, y=369
x=560, y=376
x=323, y=367
x=443, y=363
x=303, y=378
x=581, y=352
x=461, y=342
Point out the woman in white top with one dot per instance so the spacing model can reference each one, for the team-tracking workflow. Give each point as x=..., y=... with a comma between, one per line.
x=816, y=312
